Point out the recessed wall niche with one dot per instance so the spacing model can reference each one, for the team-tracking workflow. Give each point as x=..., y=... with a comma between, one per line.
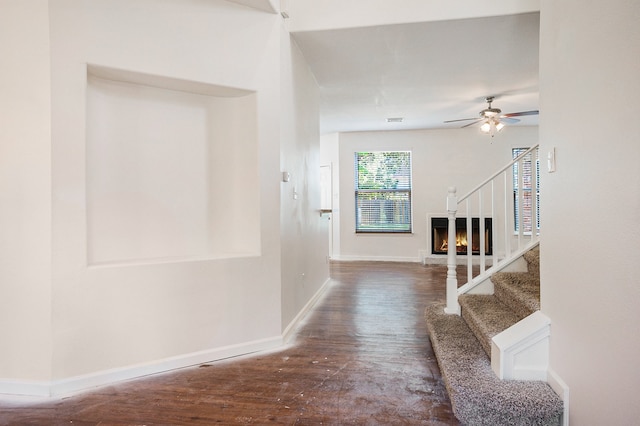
x=171, y=169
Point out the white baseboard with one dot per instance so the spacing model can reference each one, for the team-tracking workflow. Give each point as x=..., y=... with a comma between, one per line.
x=560, y=388
x=288, y=332
x=72, y=385
x=349, y=258
x=24, y=390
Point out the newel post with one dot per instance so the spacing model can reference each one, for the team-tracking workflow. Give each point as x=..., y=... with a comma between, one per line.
x=452, y=281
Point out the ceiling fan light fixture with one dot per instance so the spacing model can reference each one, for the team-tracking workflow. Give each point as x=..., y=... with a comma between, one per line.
x=491, y=126
x=491, y=120
x=490, y=112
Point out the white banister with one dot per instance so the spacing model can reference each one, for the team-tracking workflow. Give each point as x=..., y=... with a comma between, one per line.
x=469, y=225
x=498, y=173
x=452, y=281
x=520, y=202
x=508, y=243
x=507, y=247
x=482, y=230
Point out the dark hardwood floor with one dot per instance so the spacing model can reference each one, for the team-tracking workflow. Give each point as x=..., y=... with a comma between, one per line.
x=362, y=356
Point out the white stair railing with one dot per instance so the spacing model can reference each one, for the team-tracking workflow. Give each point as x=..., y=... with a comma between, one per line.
x=510, y=197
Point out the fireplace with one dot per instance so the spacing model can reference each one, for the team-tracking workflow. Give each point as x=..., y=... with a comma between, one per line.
x=439, y=235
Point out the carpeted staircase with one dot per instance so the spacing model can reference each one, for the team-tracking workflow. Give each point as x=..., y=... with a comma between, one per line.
x=462, y=345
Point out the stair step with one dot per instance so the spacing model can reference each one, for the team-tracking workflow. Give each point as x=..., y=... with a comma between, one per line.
x=486, y=316
x=477, y=396
x=520, y=291
x=533, y=261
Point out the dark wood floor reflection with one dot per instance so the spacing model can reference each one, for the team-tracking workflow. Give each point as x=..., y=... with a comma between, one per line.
x=361, y=357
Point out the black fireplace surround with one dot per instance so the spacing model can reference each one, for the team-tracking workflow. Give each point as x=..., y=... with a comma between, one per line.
x=439, y=235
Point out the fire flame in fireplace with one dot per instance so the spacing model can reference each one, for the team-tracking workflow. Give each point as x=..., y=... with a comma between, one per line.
x=461, y=241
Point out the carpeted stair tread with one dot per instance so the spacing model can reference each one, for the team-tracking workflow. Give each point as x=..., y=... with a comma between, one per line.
x=520, y=291
x=478, y=397
x=486, y=316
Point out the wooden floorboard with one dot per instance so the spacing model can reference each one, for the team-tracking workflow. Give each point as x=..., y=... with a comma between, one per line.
x=362, y=357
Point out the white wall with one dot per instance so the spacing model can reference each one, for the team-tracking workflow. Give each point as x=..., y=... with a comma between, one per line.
x=440, y=159
x=589, y=88
x=159, y=310
x=25, y=191
x=304, y=232
x=117, y=106
x=170, y=173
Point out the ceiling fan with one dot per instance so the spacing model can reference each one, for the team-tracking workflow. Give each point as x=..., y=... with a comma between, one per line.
x=491, y=119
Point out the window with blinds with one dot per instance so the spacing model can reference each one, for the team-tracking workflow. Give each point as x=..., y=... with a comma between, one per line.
x=530, y=165
x=383, y=191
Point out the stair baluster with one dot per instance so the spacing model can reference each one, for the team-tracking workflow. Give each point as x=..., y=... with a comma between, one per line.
x=452, y=281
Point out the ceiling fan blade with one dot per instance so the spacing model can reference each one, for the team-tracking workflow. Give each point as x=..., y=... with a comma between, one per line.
x=520, y=114
x=461, y=119
x=509, y=120
x=471, y=124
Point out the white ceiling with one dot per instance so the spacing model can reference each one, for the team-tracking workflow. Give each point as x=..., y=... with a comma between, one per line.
x=424, y=72
x=264, y=5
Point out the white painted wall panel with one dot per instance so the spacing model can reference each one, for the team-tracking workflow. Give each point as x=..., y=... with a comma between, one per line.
x=119, y=315
x=304, y=233
x=25, y=191
x=591, y=205
x=162, y=177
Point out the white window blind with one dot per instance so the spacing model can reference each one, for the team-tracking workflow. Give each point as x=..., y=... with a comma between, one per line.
x=528, y=164
x=383, y=191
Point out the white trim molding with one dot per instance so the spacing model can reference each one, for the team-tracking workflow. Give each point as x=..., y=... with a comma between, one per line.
x=351, y=258
x=560, y=387
x=521, y=352
x=72, y=385
x=288, y=332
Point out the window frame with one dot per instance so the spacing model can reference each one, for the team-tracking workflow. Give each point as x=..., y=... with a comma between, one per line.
x=385, y=196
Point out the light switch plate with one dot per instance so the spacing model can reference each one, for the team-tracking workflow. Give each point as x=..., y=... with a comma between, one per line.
x=551, y=160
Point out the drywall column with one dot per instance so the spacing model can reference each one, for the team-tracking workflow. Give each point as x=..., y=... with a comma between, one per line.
x=25, y=200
